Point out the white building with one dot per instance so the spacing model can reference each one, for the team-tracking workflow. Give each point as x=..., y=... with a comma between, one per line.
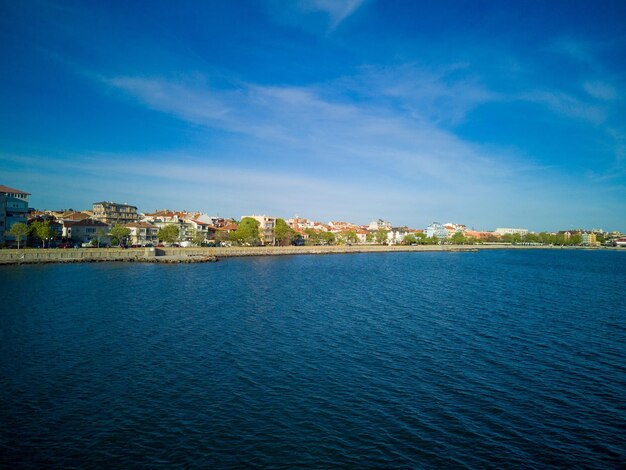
x=511, y=231
x=396, y=235
x=142, y=233
x=378, y=224
x=436, y=230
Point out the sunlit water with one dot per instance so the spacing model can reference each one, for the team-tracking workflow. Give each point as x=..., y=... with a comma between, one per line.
x=491, y=359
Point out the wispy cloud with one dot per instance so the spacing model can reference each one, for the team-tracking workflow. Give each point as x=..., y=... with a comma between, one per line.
x=600, y=90
x=443, y=95
x=337, y=10
x=314, y=15
x=325, y=128
x=566, y=105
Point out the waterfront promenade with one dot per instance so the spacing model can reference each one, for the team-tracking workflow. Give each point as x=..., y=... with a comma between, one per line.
x=175, y=255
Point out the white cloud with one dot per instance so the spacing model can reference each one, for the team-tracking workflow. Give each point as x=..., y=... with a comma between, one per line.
x=600, y=90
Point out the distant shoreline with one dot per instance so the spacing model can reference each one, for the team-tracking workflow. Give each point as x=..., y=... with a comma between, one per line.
x=201, y=255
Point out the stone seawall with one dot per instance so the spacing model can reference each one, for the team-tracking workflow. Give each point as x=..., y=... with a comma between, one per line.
x=30, y=255
x=73, y=255
x=303, y=250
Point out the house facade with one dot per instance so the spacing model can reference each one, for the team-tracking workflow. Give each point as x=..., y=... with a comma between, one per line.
x=83, y=231
x=142, y=233
x=205, y=229
x=589, y=239
x=396, y=235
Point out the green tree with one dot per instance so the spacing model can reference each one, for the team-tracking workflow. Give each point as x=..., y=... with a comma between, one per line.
x=221, y=236
x=457, y=238
x=313, y=236
x=169, y=233
x=409, y=239
x=19, y=230
x=381, y=236
x=492, y=238
x=434, y=240
x=350, y=236
x=119, y=234
x=531, y=238
x=576, y=239
x=420, y=237
x=327, y=237
x=247, y=232
x=283, y=233
x=100, y=234
x=197, y=237
x=42, y=230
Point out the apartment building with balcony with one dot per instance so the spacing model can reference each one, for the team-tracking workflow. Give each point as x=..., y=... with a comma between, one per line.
x=436, y=230
x=13, y=209
x=112, y=213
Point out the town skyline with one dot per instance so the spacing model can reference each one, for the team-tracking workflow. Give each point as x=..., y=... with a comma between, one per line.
x=340, y=220
x=494, y=115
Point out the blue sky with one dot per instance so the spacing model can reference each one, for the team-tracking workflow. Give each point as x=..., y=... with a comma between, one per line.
x=491, y=114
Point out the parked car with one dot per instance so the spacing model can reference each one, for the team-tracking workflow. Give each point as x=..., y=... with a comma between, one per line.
x=65, y=245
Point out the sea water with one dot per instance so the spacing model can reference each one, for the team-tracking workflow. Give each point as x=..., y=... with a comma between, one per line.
x=489, y=359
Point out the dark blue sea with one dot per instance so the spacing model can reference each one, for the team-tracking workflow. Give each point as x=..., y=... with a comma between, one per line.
x=494, y=359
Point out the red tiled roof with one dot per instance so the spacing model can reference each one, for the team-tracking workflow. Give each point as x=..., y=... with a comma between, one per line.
x=77, y=216
x=138, y=225
x=86, y=223
x=6, y=189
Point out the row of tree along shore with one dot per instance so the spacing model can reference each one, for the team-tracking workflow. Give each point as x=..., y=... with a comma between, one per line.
x=248, y=232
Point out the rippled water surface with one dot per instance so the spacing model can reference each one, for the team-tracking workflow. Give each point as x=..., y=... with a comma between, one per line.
x=491, y=359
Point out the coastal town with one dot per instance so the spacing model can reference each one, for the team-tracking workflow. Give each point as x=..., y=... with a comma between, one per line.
x=109, y=223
